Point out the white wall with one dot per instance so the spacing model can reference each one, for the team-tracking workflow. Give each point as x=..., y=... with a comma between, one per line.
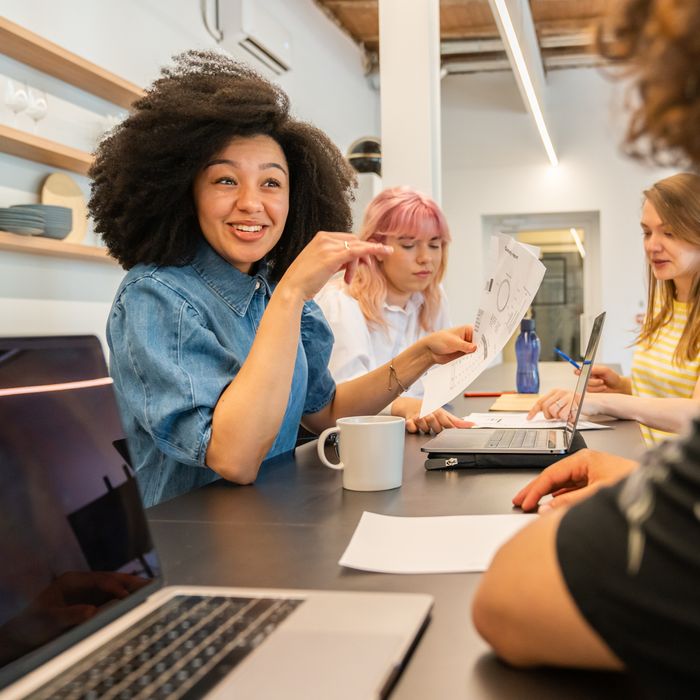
x=494, y=163
x=133, y=39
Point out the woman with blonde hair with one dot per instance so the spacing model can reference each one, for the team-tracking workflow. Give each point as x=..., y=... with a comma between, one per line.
x=663, y=391
x=394, y=300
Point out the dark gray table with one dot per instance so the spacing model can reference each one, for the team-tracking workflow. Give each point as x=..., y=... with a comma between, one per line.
x=290, y=528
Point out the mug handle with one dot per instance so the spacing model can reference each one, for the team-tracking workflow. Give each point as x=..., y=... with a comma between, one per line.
x=322, y=443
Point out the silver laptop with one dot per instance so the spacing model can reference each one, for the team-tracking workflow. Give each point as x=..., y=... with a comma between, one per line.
x=83, y=610
x=523, y=441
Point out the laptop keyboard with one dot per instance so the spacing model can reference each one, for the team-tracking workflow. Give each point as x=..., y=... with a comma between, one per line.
x=181, y=650
x=519, y=438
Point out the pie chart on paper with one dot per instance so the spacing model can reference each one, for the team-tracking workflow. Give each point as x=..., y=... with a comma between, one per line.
x=62, y=190
x=503, y=295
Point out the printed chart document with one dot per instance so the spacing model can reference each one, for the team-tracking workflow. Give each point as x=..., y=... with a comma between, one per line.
x=429, y=545
x=519, y=420
x=515, y=276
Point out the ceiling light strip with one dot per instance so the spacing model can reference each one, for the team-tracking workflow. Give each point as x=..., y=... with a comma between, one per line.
x=526, y=82
x=577, y=241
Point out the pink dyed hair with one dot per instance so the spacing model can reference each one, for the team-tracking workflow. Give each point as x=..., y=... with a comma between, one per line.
x=395, y=212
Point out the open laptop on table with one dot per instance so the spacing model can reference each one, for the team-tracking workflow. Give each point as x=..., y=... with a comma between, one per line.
x=83, y=609
x=517, y=441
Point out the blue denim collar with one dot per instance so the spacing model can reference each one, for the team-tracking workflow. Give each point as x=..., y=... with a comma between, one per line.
x=233, y=286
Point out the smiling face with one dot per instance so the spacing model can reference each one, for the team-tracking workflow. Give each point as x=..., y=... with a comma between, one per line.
x=669, y=257
x=412, y=266
x=242, y=199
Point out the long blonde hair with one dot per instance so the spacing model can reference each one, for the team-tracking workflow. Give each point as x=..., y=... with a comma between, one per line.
x=397, y=211
x=677, y=202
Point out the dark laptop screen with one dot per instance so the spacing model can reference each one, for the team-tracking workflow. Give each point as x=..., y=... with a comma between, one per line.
x=75, y=540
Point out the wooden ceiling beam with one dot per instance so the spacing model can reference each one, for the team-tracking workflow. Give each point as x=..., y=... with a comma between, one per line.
x=351, y=4
x=455, y=34
x=565, y=26
x=472, y=20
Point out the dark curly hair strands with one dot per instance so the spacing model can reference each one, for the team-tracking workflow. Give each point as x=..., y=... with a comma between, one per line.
x=143, y=173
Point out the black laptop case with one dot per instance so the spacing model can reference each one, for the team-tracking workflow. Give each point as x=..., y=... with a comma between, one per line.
x=443, y=460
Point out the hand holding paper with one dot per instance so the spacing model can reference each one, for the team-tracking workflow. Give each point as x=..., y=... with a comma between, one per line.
x=515, y=276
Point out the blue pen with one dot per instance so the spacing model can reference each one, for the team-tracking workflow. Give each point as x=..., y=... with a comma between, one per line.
x=564, y=356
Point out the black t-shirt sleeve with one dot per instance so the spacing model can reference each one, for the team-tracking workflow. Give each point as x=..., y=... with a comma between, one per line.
x=630, y=557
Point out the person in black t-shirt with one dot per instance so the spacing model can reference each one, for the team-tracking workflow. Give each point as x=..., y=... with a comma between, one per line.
x=611, y=583
x=609, y=578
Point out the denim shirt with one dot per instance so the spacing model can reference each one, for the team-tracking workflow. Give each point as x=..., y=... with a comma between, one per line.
x=178, y=336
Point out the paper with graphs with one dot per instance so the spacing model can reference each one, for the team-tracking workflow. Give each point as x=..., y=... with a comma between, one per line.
x=515, y=274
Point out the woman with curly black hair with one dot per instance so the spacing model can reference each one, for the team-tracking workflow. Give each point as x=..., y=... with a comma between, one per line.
x=218, y=203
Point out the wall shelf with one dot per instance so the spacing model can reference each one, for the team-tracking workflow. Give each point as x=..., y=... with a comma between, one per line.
x=24, y=145
x=36, y=245
x=33, y=50
x=29, y=48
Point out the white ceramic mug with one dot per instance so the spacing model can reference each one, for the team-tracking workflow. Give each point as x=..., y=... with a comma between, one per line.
x=371, y=451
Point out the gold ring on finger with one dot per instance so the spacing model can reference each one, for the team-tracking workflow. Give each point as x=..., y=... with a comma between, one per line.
x=347, y=245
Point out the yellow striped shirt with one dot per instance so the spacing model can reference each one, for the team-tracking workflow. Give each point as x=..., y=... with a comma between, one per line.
x=654, y=374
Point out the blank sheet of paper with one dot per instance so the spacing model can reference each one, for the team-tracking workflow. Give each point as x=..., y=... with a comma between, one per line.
x=429, y=545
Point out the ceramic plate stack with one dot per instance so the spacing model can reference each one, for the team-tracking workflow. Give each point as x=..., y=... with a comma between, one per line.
x=27, y=223
x=59, y=220
x=63, y=190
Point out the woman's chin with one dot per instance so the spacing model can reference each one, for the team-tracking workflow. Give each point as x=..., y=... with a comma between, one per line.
x=422, y=284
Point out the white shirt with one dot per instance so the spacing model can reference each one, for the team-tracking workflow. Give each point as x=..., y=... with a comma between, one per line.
x=357, y=348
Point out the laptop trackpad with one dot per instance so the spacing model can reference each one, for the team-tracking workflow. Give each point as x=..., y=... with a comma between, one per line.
x=334, y=645
x=304, y=665
x=460, y=440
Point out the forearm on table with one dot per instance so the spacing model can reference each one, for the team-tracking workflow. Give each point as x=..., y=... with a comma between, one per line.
x=668, y=414
x=536, y=622
x=266, y=375
x=369, y=394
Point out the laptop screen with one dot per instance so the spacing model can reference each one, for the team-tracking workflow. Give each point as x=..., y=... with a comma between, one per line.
x=75, y=541
x=582, y=383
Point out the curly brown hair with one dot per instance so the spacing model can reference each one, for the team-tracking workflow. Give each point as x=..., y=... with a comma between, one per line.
x=142, y=178
x=659, y=40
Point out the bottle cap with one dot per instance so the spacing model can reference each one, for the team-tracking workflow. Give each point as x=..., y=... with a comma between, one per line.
x=527, y=324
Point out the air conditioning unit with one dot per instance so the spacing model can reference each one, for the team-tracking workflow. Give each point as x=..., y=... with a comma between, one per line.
x=246, y=24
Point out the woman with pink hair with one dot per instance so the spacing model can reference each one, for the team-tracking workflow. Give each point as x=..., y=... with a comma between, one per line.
x=395, y=300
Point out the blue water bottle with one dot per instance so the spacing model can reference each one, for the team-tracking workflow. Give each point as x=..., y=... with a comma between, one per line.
x=527, y=351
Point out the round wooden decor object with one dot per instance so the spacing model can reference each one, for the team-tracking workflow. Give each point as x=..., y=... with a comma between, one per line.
x=63, y=190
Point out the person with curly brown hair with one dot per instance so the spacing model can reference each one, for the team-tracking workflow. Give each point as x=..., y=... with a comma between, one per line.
x=656, y=44
x=221, y=206
x=609, y=576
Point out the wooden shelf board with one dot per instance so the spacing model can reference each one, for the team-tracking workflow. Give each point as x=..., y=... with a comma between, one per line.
x=24, y=145
x=25, y=46
x=36, y=245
